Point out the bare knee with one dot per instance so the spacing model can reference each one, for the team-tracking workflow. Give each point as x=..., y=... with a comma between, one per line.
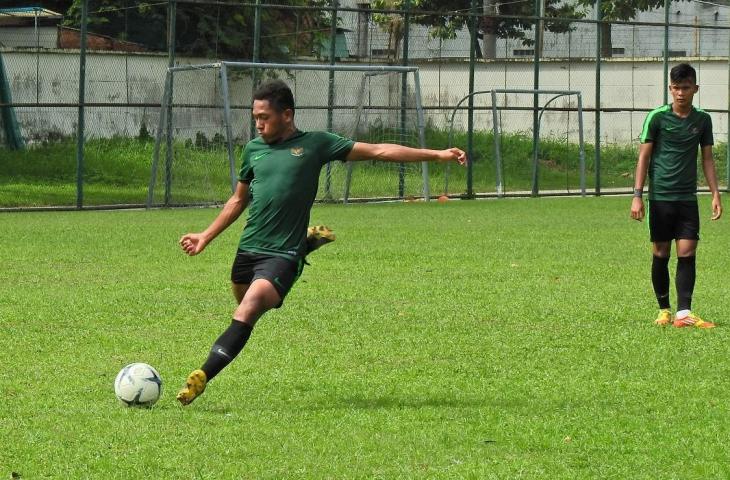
x=260, y=297
x=686, y=247
x=661, y=249
x=239, y=290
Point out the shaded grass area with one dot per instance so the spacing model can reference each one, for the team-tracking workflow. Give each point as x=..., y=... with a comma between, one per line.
x=486, y=339
x=117, y=171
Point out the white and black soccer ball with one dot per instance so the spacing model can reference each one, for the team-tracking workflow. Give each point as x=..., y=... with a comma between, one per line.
x=138, y=385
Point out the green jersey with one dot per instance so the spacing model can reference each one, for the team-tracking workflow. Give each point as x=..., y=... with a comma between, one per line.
x=283, y=179
x=673, y=165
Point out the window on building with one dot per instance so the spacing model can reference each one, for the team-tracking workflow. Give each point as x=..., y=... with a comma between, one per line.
x=523, y=52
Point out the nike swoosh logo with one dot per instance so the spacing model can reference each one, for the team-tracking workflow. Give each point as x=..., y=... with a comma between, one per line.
x=222, y=353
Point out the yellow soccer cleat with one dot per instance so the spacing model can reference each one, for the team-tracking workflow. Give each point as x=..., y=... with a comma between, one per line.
x=664, y=317
x=692, y=320
x=194, y=387
x=317, y=236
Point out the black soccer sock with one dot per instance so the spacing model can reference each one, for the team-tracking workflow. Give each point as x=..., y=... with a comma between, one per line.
x=660, y=280
x=226, y=348
x=685, y=281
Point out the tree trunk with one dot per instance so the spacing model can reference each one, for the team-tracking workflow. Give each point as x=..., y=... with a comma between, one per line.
x=489, y=29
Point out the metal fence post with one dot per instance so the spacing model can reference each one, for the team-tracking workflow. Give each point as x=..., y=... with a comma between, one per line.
x=536, y=99
x=470, y=116
x=172, y=21
x=404, y=91
x=666, y=51
x=497, y=146
x=257, y=32
x=331, y=96
x=597, y=147
x=82, y=100
x=255, y=57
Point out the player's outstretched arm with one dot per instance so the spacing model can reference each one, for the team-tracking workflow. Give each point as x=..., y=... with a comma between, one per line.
x=708, y=167
x=194, y=243
x=642, y=165
x=391, y=152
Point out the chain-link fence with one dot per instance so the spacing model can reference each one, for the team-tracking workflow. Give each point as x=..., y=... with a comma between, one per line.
x=619, y=66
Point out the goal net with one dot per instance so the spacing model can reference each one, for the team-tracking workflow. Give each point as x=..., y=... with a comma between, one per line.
x=206, y=121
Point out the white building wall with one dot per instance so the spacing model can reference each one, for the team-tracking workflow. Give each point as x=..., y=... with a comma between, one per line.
x=636, y=41
x=121, y=79
x=28, y=37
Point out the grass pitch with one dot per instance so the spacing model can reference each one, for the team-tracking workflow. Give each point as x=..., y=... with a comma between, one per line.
x=484, y=339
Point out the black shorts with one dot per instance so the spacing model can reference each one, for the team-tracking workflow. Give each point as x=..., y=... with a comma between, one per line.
x=673, y=220
x=280, y=271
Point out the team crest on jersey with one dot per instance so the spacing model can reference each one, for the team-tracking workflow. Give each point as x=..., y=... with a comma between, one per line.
x=297, y=151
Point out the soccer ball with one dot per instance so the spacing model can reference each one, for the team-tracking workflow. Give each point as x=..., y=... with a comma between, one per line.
x=138, y=385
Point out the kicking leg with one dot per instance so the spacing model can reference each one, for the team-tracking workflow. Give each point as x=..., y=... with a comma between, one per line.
x=256, y=299
x=317, y=236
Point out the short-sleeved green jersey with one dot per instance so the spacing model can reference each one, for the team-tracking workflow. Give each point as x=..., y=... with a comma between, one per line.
x=283, y=179
x=673, y=165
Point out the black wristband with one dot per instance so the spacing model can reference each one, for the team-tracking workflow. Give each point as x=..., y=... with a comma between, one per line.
x=638, y=192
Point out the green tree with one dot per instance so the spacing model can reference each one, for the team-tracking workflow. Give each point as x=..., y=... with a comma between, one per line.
x=208, y=30
x=619, y=10
x=494, y=22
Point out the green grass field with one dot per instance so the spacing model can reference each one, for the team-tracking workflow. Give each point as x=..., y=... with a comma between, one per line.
x=499, y=339
x=117, y=171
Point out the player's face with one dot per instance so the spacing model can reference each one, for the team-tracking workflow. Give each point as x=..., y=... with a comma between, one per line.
x=683, y=92
x=271, y=124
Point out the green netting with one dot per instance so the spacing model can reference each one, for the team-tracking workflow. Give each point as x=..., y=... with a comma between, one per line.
x=8, y=121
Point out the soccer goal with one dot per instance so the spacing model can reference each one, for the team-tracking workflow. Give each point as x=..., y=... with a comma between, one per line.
x=512, y=110
x=205, y=121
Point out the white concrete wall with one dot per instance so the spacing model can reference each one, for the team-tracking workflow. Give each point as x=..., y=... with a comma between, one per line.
x=121, y=79
x=28, y=37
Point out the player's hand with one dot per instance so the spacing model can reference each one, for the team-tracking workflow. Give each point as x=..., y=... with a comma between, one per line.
x=193, y=243
x=637, y=209
x=716, y=207
x=453, y=154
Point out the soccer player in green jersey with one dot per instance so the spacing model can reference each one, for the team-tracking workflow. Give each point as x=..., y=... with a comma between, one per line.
x=278, y=183
x=668, y=153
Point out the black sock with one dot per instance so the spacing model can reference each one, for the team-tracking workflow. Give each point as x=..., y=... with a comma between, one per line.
x=660, y=280
x=226, y=348
x=685, y=281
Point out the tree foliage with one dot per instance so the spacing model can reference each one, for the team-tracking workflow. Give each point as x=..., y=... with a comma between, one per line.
x=453, y=15
x=209, y=30
x=623, y=9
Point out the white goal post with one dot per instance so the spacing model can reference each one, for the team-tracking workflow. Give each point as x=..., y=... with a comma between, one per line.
x=205, y=120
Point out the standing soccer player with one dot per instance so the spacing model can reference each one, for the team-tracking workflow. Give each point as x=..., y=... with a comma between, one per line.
x=278, y=181
x=668, y=151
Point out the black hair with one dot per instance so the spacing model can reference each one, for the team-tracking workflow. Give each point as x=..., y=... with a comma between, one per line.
x=681, y=72
x=277, y=93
